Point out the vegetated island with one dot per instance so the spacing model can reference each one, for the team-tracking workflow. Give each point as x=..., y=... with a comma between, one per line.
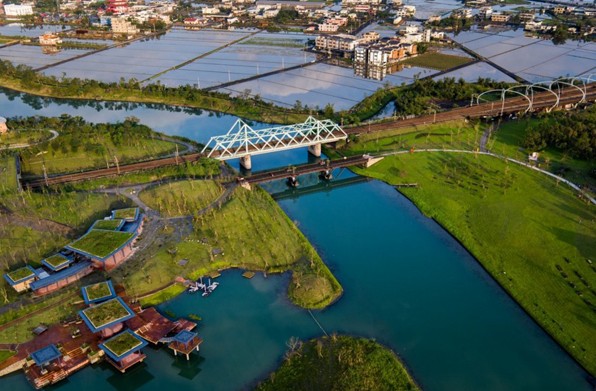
x=533, y=234
x=341, y=363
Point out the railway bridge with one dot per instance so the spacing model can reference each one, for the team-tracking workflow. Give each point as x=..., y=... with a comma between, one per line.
x=242, y=141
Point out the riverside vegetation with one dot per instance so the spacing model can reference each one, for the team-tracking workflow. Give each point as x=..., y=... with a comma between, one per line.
x=248, y=231
x=532, y=234
x=339, y=363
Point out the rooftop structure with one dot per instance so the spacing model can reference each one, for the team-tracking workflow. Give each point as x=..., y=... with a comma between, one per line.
x=109, y=225
x=20, y=279
x=56, y=262
x=124, y=350
x=46, y=355
x=128, y=214
x=185, y=342
x=107, y=317
x=97, y=293
x=106, y=249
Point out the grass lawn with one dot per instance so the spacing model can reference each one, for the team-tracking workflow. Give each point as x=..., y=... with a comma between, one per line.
x=24, y=136
x=202, y=168
x=110, y=225
x=56, y=260
x=181, y=198
x=22, y=331
x=535, y=237
x=6, y=354
x=339, y=363
x=122, y=343
x=100, y=243
x=507, y=140
x=126, y=214
x=57, y=160
x=8, y=175
x=254, y=234
x=97, y=291
x=76, y=210
x=20, y=273
x=106, y=312
x=438, y=61
x=453, y=135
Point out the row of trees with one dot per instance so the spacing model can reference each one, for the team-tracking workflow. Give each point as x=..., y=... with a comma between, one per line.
x=571, y=132
x=64, y=87
x=419, y=96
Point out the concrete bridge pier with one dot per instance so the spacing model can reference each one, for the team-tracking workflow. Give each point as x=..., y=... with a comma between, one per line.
x=246, y=162
x=315, y=150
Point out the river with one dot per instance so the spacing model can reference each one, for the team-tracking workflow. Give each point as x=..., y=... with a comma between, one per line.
x=407, y=283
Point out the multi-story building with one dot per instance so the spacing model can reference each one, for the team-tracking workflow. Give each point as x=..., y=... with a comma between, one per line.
x=117, y=6
x=498, y=17
x=485, y=12
x=327, y=27
x=49, y=39
x=18, y=10
x=339, y=42
x=123, y=26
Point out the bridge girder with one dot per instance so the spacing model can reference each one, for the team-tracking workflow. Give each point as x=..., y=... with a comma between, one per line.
x=242, y=140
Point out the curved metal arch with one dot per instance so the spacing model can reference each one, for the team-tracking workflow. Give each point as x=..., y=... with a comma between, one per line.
x=503, y=91
x=539, y=85
x=561, y=81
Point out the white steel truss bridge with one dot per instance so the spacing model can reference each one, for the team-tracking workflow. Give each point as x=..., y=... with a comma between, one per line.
x=242, y=141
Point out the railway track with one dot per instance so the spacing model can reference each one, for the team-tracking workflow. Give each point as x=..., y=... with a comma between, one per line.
x=512, y=105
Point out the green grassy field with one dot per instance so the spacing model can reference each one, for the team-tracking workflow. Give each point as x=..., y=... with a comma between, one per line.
x=339, y=363
x=452, y=135
x=533, y=235
x=57, y=160
x=253, y=233
x=181, y=198
x=22, y=331
x=8, y=171
x=23, y=136
x=202, y=168
x=438, y=61
x=101, y=243
x=507, y=140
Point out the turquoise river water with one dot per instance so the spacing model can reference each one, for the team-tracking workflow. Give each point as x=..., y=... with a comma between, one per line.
x=408, y=284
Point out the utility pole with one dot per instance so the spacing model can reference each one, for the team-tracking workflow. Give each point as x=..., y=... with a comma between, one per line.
x=117, y=165
x=45, y=174
x=176, y=155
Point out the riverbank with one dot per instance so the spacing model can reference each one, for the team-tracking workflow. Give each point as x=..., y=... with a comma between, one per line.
x=26, y=80
x=529, y=233
x=339, y=363
x=246, y=230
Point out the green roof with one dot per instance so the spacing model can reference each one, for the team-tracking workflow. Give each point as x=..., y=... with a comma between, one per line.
x=122, y=343
x=128, y=213
x=100, y=243
x=106, y=312
x=97, y=291
x=20, y=274
x=56, y=260
x=111, y=225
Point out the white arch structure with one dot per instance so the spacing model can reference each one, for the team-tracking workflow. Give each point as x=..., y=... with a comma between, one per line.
x=578, y=82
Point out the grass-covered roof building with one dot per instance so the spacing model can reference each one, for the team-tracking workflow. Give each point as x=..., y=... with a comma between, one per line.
x=107, y=317
x=97, y=293
x=20, y=279
x=124, y=350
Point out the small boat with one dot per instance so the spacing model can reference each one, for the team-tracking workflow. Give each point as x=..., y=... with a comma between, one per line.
x=193, y=288
x=200, y=284
x=206, y=293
